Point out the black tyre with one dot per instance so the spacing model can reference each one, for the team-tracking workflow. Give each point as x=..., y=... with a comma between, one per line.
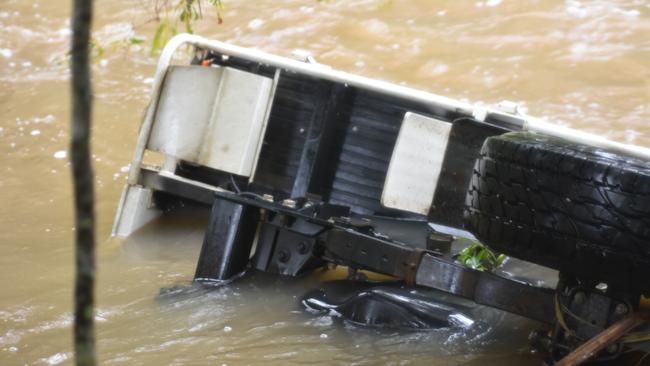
x=572, y=207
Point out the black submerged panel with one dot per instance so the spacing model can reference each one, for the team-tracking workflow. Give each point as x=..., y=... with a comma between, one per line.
x=228, y=241
x=387, y=305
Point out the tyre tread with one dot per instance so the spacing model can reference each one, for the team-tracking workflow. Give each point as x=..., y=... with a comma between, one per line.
x=553, y=202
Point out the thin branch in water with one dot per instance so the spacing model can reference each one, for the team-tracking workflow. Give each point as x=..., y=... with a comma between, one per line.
x=83, y=182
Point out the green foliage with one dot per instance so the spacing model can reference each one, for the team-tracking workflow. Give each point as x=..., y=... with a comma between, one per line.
x=96, y=50
x=88, y=312
x=164, y=32
x=135, y=40
x=172, y=13
x=478, y=256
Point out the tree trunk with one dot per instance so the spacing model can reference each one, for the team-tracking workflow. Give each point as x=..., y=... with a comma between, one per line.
x=83, y=177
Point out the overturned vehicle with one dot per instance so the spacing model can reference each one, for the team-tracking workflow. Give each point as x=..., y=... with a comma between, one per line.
x=305, y=167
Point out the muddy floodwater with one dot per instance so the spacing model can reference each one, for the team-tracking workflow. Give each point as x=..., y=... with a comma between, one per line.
x=579, y=63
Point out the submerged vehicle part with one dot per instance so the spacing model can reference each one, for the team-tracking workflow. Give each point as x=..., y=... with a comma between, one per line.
x=386, y=305
x=305, y=166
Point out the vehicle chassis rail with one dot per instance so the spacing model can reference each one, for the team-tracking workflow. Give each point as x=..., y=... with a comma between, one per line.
x=293, y=239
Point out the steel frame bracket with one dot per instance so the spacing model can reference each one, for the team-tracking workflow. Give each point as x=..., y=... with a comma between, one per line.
x=292, y=240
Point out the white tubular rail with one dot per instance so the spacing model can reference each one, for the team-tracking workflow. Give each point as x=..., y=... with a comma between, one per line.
x=546, y=128
x=318, y=71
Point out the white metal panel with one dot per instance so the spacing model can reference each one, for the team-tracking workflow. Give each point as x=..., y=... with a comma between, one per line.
x=212, y=116
x=135, y=211
x=237, y=122
x=186, y=103
x=415, y=164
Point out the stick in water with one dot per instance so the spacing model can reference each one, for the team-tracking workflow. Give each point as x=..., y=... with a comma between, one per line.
x=84, y=332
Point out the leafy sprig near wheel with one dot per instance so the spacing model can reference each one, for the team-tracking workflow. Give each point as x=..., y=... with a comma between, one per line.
x=479, y=257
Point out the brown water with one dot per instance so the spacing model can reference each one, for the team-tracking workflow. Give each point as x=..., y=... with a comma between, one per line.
x=584, y=64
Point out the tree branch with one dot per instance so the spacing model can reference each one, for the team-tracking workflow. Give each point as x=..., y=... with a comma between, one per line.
x=83, y=181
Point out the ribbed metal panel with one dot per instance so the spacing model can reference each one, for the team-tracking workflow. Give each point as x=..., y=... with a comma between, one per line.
x=293, y=108
x=367, y=148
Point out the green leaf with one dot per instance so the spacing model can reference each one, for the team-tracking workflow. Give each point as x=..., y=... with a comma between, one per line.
x=479, y=257
x=88, y=312
x=135, y=40
x=157, y=42
x=500, y=259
